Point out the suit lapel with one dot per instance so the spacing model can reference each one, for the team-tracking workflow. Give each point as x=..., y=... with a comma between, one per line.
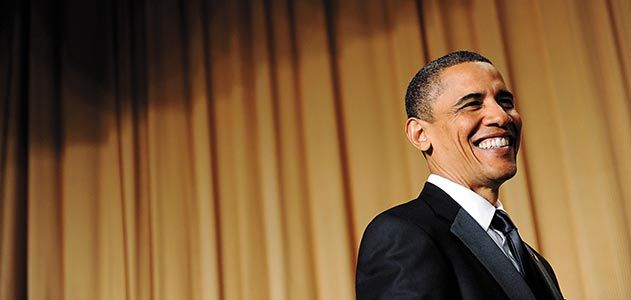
x=491, y=257
x=478, y=242
x=546, y=278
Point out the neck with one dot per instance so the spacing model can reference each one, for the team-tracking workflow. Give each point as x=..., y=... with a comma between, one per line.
x=490, y=192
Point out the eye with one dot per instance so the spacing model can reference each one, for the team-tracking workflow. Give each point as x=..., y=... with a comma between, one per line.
x=473, y=104
x=506, y=102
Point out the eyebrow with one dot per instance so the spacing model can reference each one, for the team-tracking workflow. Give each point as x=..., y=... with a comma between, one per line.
x=476, y=95
x=505, y=93
x=467, y=97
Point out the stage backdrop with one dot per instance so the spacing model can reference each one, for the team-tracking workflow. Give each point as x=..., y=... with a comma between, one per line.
x=237, y=149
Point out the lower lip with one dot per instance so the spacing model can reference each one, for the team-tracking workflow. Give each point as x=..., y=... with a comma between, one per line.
x=498, y=150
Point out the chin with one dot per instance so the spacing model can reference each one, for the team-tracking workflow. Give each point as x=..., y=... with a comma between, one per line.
x=507, y=175
x=500, y=175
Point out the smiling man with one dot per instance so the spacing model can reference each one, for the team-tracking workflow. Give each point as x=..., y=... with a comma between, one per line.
x=455, y=241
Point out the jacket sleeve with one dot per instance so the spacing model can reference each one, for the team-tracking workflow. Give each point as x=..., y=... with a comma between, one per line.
x=399, y=260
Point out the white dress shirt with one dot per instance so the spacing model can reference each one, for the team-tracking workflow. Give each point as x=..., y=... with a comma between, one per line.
x=479, y=208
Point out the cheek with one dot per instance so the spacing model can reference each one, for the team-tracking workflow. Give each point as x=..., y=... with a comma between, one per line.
x=465, y=130
x=516, y=119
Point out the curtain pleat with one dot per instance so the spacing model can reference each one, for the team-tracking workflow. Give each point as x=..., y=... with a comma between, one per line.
x=13, y=153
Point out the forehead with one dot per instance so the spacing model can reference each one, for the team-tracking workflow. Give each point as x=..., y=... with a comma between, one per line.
x=471, y=77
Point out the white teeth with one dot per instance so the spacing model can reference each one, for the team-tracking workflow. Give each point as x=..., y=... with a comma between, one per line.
x=493, y=143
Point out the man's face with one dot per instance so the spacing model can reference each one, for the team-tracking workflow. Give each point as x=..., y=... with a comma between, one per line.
x=476, y=130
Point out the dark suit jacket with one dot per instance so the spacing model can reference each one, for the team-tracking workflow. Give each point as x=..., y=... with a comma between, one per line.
x=431, y=248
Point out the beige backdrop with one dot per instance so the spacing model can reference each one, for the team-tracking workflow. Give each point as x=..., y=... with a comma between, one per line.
x=237, y=149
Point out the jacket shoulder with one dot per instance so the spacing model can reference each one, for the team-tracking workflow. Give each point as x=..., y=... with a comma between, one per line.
x=415, y=213
x=399, y=256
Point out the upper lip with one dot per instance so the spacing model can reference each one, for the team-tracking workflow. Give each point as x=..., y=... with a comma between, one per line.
x=506, y=134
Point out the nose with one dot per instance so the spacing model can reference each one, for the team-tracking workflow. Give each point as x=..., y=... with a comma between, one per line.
x=496, y=115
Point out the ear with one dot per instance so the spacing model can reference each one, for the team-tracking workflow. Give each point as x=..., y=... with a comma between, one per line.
x=416, y=131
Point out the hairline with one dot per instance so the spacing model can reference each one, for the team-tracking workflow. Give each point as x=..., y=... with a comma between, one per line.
x=438, y=87
x=427, y=84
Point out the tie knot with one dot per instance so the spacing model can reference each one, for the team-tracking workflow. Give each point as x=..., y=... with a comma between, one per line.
x=502, y=222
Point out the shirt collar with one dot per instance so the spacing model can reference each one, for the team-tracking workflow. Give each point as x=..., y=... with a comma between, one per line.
x=475, y=205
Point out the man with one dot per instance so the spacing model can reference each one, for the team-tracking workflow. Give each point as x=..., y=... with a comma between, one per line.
x=455, y=241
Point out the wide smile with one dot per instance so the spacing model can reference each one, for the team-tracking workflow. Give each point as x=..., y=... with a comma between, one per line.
x=495, y=142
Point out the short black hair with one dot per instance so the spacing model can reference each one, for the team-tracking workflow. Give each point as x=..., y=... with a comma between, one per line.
x=425, y=85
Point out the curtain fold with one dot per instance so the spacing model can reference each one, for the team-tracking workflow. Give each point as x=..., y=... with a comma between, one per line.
x=237, y=149
x=13, y=154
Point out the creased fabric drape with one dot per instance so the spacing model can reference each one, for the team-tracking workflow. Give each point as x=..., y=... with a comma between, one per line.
x=237, y=149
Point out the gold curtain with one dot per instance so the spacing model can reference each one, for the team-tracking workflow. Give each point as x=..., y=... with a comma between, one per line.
x=237, y=149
